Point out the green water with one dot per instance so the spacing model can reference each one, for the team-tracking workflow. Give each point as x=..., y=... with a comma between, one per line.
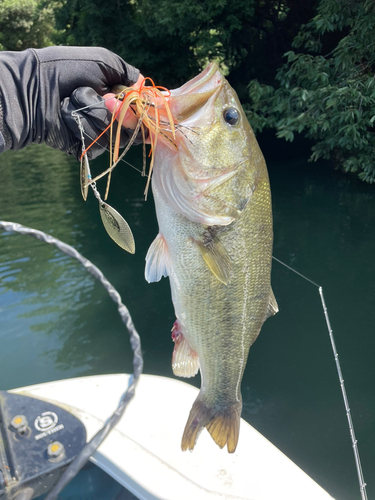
x=57, y=322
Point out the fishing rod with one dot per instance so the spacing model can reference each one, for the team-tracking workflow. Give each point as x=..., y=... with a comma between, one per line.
x=362, y=484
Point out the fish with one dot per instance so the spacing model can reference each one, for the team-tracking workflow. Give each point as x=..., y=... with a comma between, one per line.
x=213, y=204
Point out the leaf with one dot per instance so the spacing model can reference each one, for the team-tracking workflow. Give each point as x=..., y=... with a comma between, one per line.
x=331, y=103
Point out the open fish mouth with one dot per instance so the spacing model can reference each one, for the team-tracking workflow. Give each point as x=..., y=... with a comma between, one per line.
x=190, y=99
x=202, y=82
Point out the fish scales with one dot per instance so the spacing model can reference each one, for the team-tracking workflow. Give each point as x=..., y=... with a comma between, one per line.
x=216, y=251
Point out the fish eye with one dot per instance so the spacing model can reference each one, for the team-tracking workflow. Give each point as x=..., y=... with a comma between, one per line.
x=231, y=116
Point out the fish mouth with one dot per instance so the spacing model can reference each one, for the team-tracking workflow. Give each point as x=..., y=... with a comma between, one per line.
x=193, y=95
x=209, y=78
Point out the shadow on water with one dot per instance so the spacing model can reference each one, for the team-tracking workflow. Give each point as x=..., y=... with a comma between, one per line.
x=57, y=322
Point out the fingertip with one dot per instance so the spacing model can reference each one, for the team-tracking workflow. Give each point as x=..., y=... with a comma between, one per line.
x=111, y=102
x=139, y=82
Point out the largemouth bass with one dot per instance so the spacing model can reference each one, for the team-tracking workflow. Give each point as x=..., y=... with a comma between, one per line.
x=213, y=205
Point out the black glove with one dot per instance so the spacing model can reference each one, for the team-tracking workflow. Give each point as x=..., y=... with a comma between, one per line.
x=39, y=89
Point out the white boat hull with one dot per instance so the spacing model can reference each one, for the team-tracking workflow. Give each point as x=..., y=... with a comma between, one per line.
x=143, y=452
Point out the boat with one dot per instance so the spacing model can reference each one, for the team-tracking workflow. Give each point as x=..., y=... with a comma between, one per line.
x=44, y=427
x=143, y=452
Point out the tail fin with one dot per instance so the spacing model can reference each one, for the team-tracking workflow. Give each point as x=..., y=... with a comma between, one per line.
x=223, y=424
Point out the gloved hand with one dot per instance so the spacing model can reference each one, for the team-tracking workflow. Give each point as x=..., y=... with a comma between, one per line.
x=39, y=89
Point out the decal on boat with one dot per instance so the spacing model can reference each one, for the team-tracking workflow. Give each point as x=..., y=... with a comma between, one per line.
x=47, y=424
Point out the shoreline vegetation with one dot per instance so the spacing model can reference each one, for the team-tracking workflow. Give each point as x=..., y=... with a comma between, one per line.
x=300, y=70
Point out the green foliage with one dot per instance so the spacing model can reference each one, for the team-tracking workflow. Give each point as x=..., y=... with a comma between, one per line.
x=169, y=40
x=325, y=90
x=172, y=40
x=26, y=23
x=329, y=98
x=196, y=32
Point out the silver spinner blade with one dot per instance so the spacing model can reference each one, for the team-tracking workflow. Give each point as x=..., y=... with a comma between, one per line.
x=85, y=176
x=117, y=227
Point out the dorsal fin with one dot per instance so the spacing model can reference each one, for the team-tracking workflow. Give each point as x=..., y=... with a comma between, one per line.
x=157, y=261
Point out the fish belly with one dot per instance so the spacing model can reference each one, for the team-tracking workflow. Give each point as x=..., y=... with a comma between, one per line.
x=219, y=322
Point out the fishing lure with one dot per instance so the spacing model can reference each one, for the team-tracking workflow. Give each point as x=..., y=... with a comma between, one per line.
x=146, y=104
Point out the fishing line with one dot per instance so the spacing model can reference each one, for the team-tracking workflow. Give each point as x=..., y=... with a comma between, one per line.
x=75, y=115
x=115, y=225
x=362, y=484
x=95, y=442
x=299, y=274
x=112, y=220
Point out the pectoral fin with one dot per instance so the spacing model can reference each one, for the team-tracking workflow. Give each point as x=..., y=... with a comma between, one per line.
x=216, y=257
x=157, y=261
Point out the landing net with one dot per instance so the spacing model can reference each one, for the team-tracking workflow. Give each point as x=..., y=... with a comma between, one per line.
x=89, y=449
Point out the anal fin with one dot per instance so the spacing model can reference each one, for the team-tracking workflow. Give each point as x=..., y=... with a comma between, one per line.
x=185, y=361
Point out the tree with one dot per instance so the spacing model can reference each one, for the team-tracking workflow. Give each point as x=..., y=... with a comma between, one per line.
x=26, y=23
x=172, y=40
x=327, y=90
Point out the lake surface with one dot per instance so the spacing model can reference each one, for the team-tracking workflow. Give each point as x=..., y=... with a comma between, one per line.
x=57, y=322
